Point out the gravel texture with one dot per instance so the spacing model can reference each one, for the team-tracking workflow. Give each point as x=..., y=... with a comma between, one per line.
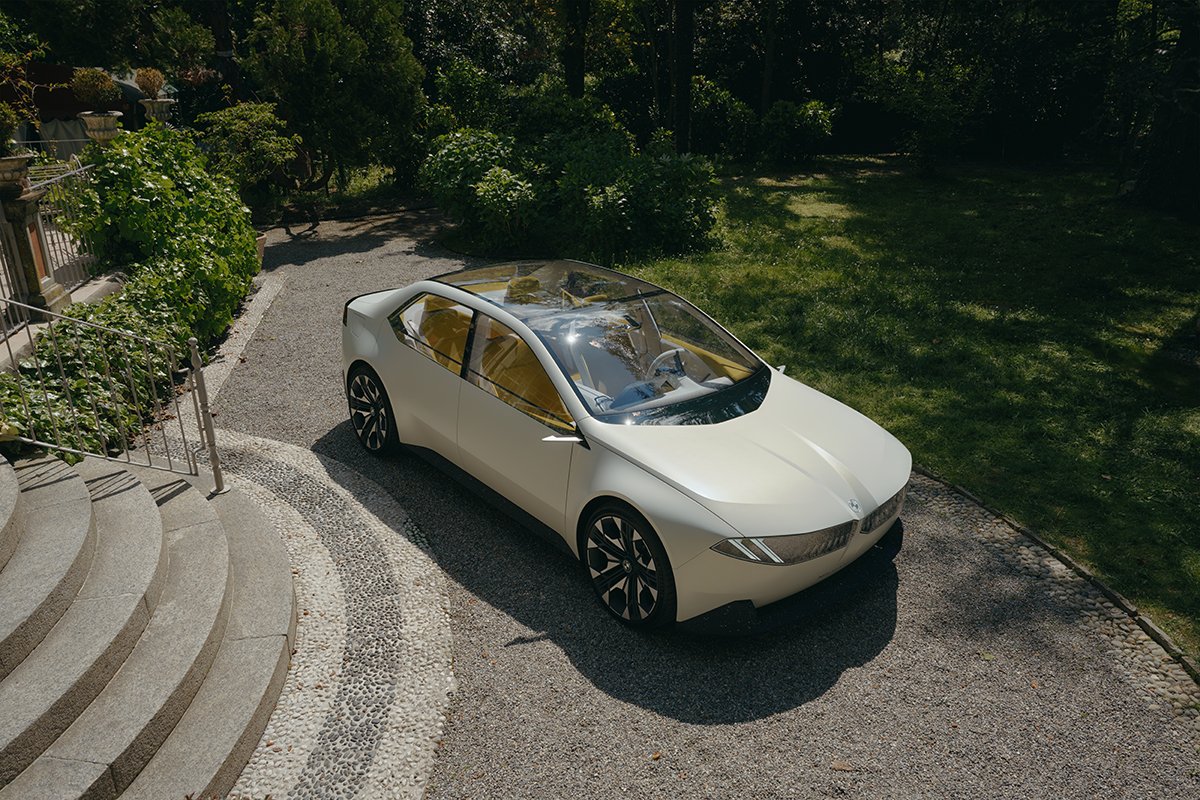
x=973, y=664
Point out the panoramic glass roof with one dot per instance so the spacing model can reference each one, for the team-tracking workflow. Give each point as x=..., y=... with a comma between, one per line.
x=634, y=353
x=528, y=289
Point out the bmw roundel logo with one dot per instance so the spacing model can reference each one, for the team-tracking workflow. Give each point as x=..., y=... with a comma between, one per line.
x=854, y=506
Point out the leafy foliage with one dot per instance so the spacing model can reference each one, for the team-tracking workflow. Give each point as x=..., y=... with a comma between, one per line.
x=94, y=88
x=458, y=162
x=344, y=77
x=722, y=125
x=505, y=202
x=183, y=238
x=249, y=145
x=937, y=101
x=471, y=95
x=8, y=127
x=565, y=178
x=17, y=49
x=179, y=43
x=790, y=134
x=150, y=81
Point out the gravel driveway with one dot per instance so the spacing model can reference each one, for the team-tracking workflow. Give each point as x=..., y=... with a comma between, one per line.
x=965, y=667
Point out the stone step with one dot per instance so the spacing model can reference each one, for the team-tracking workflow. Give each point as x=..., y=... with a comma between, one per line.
x=116, y=736
x=209, y=747
x=55, y=682
x=51, y=558
x=10, y=511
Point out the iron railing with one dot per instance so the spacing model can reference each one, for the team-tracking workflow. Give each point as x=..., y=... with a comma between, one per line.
x=69, y=256
x=58, y=416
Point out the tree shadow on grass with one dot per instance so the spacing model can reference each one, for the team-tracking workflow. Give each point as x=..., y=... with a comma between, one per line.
x=1019, y=331
x=795, y=652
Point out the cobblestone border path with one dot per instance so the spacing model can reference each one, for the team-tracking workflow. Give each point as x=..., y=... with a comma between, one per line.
x=370, y=677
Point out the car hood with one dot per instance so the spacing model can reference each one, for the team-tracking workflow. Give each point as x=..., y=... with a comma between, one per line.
x=800, y=462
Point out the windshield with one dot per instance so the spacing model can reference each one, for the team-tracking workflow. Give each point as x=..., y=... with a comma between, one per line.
x=644, y=359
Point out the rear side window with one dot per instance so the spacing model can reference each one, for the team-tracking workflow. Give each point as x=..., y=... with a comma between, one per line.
x=503, y=365
x=436, y=328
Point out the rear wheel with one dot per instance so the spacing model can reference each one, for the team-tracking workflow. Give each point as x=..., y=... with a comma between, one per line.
x=628, y=567
x=371, y=411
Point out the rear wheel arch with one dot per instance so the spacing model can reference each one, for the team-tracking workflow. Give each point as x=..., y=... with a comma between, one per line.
x=357, y=364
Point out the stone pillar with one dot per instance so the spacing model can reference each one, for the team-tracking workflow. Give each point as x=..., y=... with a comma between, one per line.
x=29, y=251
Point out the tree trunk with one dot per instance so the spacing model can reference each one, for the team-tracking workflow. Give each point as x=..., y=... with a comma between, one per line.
x=770, y=40
x=576, y=14
x=218, y=23
x=1169, y=177
x=685, y=35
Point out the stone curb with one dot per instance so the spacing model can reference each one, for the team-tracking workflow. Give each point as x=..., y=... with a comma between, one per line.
x=1116, y=598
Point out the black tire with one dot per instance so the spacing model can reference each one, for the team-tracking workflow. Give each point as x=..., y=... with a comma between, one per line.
x=620, y=550
x=371, y=411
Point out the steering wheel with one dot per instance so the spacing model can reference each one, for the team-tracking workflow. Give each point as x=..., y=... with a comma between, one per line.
x=657, y=364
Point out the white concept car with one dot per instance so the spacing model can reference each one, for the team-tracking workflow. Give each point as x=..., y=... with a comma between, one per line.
x=684, y=472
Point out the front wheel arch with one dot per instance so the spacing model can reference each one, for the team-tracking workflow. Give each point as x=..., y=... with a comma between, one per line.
x=666, y=607
x=590, y=508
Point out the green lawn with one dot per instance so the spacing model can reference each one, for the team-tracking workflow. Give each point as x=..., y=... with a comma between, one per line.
x=1024, y=333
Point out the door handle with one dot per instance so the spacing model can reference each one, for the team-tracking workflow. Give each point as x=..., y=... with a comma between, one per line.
x=554, y=438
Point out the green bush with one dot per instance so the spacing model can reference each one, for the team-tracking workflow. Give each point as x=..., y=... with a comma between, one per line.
x=722, y=125
x=458, y=161
x=505, y=202
x=156, y=204
x=94, y=88
x=249, y=144
x=8, y=128
x=935, y=102
x=474, y=95
x=661, y=202
x=790, y=134
x=185, y=241
x=580, y=190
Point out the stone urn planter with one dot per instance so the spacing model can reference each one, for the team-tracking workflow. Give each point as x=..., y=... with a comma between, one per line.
x=158, y=108
x=101, y=126
x=14, y=175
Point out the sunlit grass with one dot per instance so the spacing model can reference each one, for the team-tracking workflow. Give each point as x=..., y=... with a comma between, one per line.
x=1025, y=334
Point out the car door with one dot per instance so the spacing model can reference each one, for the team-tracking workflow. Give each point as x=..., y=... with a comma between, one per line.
x=514, y=432
x=422, y=366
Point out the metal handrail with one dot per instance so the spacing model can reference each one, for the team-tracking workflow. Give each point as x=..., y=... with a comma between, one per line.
x=47, y=313
x=39, y=383
x=52, y=173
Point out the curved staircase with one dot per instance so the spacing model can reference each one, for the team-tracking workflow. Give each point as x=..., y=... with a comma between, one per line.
x=145, y=632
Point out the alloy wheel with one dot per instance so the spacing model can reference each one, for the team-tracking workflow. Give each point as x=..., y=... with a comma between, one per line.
x=369, y=412
x=622, y=568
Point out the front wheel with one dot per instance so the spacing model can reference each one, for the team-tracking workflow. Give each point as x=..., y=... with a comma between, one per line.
x=371, y=411
x=628, y=567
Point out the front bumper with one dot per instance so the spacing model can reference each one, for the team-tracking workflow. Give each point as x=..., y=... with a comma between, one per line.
x=712, y=580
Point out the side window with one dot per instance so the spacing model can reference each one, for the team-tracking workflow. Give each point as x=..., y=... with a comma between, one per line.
x=502, y=364
x=436, y=328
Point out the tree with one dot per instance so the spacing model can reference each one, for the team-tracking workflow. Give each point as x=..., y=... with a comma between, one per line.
x=1170, y=173
x=344, y=77
x=576, y=14
x=683, y=67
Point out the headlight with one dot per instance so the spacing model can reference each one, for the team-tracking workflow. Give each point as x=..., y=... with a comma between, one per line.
x=890, y=508
x=783, y=550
